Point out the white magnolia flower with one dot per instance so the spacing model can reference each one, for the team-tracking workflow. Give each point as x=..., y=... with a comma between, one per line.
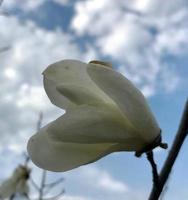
x=17, y=183
x=105, y=113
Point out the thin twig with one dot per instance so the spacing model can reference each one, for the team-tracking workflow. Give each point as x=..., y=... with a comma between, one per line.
x=173, y=153
x=60, y=180
x=39, y=122
x=50, y=186
x=154, y=168
x=41, y=191
x=57, y=196
x=27, y=159
x=34, y=184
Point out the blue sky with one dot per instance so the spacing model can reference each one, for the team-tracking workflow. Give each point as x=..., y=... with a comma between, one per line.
x=145, y=40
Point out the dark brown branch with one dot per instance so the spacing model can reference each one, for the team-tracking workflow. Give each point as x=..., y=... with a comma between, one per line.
x=154, y=168
x=173, y=153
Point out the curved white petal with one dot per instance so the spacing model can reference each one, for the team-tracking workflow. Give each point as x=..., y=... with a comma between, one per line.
x=59, y=156
x=55, y=97
x=91, y=124
x=129, y=99
x=69, y=72
x=79, y=95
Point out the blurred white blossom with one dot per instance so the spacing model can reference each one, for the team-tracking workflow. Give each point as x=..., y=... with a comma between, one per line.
x=17, y=183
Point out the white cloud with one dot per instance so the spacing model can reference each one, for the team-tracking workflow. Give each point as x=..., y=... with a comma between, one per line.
x=100, y=185
x=86, y=11
x=10, y=73
x=108, y=183
x=16, y=148
x=137, y=35
x=25, y=5
x=31, y=97
x=29, y=5
x=102, y=180
x=178, y=46
x=154, y=7
x=170, y=80
x=21, y=89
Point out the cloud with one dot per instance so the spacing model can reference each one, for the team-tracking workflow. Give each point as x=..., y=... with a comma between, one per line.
x=29, y=5
x=100, y=185
x=24, y=5
x=102, y=180
x=137, y=36
x=164, y=44
x=32, y=49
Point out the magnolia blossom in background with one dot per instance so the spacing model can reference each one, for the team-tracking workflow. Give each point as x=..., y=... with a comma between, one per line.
x=105, y=113
x=17, y=183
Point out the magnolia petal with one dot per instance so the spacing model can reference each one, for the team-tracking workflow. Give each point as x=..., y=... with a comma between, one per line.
x=129, y=99
x=59, y=156
x=78, y=94
x=55, y=97
x=68, y=72
x=91, y=124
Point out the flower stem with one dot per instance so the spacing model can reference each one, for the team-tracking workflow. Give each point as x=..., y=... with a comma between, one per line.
x=154, y=168
x=173, y=153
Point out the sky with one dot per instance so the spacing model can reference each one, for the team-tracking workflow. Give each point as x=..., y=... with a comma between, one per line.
x=145, y=40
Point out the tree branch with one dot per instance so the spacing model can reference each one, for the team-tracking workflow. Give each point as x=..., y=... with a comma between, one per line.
x=34, y=184
x=57, y=196
x=154, y=168
x=41, y=191
x=173, y=153
x=39, y=122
